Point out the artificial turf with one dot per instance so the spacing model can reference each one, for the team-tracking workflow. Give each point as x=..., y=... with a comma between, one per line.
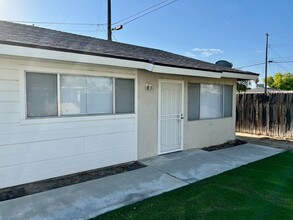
x=260, y=190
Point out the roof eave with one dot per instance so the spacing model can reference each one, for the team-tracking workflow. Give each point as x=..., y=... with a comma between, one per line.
x=240, y=76
x=60, y=54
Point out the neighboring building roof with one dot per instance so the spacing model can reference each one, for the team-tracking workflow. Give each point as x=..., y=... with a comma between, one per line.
x=36, y=37
x=260, y=88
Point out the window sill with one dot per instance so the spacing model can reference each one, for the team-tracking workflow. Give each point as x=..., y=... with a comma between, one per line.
x=64, y=119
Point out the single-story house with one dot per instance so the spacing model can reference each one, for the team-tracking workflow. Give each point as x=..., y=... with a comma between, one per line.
x=71, y=103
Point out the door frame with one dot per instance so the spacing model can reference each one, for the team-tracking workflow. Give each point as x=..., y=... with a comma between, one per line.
x=159, y=114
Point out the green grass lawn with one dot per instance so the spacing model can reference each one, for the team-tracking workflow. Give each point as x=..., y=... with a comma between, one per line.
x=261, y=190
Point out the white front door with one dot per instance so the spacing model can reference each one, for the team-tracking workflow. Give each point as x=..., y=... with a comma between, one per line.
x=170, y=116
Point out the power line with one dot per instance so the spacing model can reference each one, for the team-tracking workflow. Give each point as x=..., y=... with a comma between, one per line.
x=272, y=68
x=275, y=52
x=60, y=9
x=283, y=67
x=262, y=72
x=114, y=37
x=287, y=61
x=256, y=64
x=73, y=9
x=270, y=61
x=97, y=24
x=124, y=19
x=149, y=12
x=99, y=12
x=283, y=59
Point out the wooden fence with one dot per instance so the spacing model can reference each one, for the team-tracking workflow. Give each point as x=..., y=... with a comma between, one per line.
x=270, y=115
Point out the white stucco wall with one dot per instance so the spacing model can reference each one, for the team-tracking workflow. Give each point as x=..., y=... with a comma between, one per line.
x=197, y=134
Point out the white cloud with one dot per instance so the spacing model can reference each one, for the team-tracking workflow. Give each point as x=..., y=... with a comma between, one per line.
x=206, y=52
x=189, y=54
x=203, y=52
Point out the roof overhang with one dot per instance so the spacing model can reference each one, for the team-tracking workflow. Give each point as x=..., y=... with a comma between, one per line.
x=240, y=76
x=38, y=53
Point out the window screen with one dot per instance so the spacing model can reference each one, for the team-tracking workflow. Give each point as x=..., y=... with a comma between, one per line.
x=99, y=95
x=73, y=95
x=86, y=95
x=124, y=95
x=41, y=91
x=211, y=101
x=193, y=101
x=228, y=97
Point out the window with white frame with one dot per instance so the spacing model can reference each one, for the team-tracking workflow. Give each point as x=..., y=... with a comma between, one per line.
x=209, y=101
x=64, y=95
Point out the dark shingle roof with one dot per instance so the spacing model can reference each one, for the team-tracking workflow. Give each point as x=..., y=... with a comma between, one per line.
x=31, y=36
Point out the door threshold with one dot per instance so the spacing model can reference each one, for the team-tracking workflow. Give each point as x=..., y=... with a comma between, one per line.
x=169, y=152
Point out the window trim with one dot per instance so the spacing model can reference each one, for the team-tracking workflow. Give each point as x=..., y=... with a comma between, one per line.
x=223, y=98
x=61, y=118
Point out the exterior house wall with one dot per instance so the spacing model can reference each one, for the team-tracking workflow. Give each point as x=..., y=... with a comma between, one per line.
x=35, y=149
x=197, y=134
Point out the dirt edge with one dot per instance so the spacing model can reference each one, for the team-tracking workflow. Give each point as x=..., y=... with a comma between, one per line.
x=67, y=180
x=228, y=144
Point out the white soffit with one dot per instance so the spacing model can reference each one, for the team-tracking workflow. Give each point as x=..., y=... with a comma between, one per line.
x=239, y=76
x=185, y=72
x=28, y=52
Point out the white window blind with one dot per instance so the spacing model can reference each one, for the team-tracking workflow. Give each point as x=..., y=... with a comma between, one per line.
x=86, y=95
x=99, y=95
x=211, y=101
x=41, y=94
x=73, y=95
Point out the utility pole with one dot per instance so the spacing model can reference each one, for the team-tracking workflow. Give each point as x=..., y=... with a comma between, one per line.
x=266, y=63
x=109, y=21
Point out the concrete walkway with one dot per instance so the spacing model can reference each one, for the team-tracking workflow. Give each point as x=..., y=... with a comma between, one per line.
x=163, y=173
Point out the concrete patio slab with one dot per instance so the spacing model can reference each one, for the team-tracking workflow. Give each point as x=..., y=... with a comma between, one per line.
x=164, y=173
x=266, y=148
x=89, y=199
x=249, y=152
x=194, y=165
x=165, y=158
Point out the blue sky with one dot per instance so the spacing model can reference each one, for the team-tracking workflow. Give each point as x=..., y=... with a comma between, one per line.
x=208, y=30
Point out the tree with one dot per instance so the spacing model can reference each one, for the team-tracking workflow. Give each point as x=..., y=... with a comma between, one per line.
x=243, y=85
x=281, y=81
x=270, y=81
x=287, y=82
